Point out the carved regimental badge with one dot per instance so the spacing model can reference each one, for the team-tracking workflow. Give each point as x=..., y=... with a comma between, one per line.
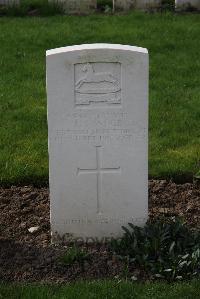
x=97, y=83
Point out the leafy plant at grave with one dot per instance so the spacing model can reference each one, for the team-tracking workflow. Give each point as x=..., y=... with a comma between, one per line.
x=75, y=255
x=197, y=175
x=163, y=248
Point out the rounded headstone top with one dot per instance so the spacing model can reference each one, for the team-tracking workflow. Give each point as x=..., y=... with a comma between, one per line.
x=95, y=47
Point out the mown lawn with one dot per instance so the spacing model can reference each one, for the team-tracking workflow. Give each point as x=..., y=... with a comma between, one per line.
x=173, y=42
x=103, y=289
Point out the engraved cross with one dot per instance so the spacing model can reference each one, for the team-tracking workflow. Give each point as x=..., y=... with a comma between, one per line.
x=99, y=170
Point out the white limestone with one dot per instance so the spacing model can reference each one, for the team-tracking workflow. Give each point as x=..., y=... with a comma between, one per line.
x=9, y=2
x=185, y=4
x=138, y=4
x=148, y=4
x=97, y=125
x=77, y=6
x=33, y=229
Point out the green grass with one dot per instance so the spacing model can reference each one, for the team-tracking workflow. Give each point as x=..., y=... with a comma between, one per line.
x=103, y=289
x=173, y=42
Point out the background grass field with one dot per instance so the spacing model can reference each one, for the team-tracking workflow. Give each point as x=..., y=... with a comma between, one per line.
x=173, y=42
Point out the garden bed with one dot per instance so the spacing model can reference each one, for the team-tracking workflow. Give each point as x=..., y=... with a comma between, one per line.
x=26, y=256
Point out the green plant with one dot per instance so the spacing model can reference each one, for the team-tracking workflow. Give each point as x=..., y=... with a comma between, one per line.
x=105, y=5
x=75, y=255
x=163, y=248
x=197, y=175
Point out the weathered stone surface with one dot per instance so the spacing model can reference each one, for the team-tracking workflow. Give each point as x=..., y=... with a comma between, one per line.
x=138, y=4
x=148, y=4
x=97, y=122
x=78, y=6
x=124, y=4
x=9, y=2
x=187, y=4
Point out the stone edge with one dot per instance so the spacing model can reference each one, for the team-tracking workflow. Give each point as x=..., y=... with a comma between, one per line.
x=96, y=47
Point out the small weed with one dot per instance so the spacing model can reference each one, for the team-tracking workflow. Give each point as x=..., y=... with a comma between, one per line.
x=197, y=175
x=105, y=5
x=75, y=255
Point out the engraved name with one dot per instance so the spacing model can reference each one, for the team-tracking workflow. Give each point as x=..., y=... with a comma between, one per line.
x=104, y=127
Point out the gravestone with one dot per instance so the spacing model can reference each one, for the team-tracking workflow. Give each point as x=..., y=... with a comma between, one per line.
x=187, y=4
x=148, y=4
x=97, y=128
x=9, y=2
x=124, y=4
x=77, y=6
x=138, y=4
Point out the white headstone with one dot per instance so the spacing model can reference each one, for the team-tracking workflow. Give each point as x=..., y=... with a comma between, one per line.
x=124, y=4
x=77, y=6
x=187, y=4
x=9, y=2
x=148, y=4
x=98, y=126
x=138, y=4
